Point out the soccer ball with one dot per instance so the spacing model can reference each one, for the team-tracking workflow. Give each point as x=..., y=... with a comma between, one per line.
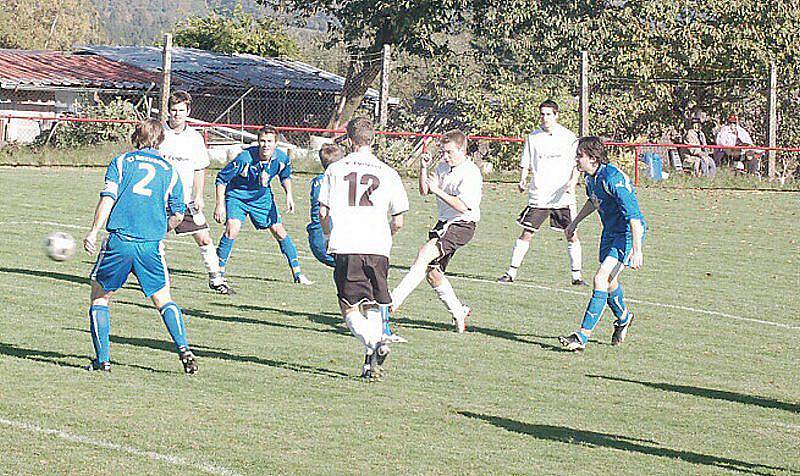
x=59, y=246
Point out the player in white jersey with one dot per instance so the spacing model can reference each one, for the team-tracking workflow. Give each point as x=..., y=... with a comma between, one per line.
x=185, y=148
x=357, y=194
x=549, y=154
x=457, y=184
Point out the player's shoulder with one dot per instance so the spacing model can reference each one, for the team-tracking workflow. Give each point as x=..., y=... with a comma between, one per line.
x=566, y=132
x=281, y=155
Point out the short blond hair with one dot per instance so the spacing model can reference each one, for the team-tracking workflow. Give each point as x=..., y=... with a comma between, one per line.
x=455, y=136
x=149, y=133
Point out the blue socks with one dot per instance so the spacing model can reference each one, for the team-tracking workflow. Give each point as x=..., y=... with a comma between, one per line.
x=384, y=310
x=173, y=319
x=594, y=310
x=224, y=249
x=290, y=252
x=100, y=327
x=617, y=305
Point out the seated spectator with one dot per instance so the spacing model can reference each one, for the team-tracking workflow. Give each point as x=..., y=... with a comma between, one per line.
x=732, y=134
x=698, y=158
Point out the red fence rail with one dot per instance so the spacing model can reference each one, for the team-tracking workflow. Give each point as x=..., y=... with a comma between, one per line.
x=636, y=146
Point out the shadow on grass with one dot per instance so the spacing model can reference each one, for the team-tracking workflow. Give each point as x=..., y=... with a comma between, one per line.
x=71, y=278
x=593, y=439
x=497, y=333
x=57, y=358
x=212, y=353
x=711, y=393
x=335, y=321
x=232, y=278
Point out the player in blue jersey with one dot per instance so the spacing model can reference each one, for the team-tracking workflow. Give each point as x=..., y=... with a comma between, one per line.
x=317, y=241
x=141, y=188
x=243, y=189
x=611, y=193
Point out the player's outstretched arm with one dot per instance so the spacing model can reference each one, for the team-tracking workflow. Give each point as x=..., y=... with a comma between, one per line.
x=325, y=219
x=587, y=209
x=637, y=257
x=101, y=213
x=523, y=179
x=198, y=189
x=424, y=161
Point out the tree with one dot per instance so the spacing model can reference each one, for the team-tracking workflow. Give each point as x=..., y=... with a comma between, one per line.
x=653, y=63
x=54, y=24
x=238, y=32
x=364, y=26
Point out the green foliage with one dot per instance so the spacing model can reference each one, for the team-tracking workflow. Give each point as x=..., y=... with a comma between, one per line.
x=68, y=135
x=714, y=56
x=240, y=32
x=52, y=24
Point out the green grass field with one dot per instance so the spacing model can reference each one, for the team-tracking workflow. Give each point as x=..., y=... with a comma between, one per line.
x=707, y=383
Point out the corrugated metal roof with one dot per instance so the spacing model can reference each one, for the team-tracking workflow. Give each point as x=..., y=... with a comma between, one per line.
x=55, y=68
x=199, y=69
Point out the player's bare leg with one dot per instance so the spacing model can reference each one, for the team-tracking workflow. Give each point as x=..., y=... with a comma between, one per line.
x=290, y=252
x=172, y=316
x=427, y=253
x=518, y=253
x=439, y=282
x=211, y=262
x=575, y=259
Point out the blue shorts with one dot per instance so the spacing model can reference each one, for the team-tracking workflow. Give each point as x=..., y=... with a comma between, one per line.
x=618, y=246
x=120, y=257
x=319, y=246
x=261, y=217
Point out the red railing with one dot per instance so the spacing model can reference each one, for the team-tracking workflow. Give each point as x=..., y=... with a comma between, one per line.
x=636, y=146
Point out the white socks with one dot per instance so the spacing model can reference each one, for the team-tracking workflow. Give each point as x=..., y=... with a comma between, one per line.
x=448, y=297
x=517, y=255
x=210, y=260
x=575, y=258
x=367, y=331
x=409, y=283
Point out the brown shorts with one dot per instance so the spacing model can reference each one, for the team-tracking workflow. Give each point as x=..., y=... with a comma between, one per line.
x=450, y=238
x=193, y=221
x=532, y=218
x=362, y=279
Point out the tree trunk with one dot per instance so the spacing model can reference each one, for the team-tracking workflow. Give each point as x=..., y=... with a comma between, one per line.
x=359, y=77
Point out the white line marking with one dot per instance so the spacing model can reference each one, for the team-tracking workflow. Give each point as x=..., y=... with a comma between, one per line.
x=479, y=280
x=170, y=459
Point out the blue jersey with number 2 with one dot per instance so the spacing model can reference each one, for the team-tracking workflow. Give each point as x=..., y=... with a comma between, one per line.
x=144, y=187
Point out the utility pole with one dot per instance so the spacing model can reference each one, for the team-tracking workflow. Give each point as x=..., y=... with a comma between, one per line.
x=166, y=71
x=383, y=108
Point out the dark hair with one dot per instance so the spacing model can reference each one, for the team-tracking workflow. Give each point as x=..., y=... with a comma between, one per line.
x=455, y=136
x=330, y=153
x=149, y=133
x=549, y=103
x=361, y=131
x=266, y=130
x=180, y=97
x=593, y=147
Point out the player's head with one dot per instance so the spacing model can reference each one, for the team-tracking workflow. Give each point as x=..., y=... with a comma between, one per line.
x=148, y=134
x=179, y=107
x=548, y=113
x=454, y=147
x=330, y=153
x=267, y=141
x=697, y=123
x=360, y=132
x=591, y=153
x=732, y=119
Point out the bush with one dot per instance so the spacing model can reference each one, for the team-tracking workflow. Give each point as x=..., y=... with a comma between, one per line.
x=68, y=134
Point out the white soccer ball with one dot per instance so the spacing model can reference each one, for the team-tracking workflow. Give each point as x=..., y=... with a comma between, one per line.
x=59, y=246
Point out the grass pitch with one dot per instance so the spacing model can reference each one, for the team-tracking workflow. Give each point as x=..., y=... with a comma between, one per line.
x=707, y=382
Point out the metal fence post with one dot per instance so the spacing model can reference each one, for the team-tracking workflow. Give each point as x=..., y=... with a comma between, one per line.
x=166, y=71
x=383, y=108
x=772, y=139
x=636, y=165
x=584, y=99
